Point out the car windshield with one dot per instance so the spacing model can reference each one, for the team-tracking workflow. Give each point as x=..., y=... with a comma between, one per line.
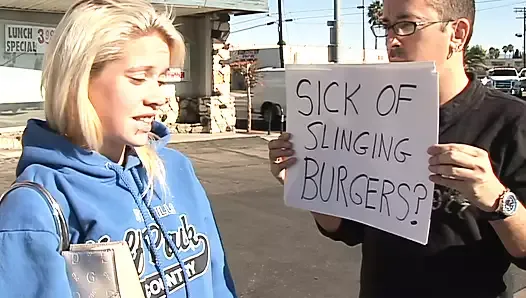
x=503, y=72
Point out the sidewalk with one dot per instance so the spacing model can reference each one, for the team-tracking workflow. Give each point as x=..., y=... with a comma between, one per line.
x=180, y=138
x=199, y=137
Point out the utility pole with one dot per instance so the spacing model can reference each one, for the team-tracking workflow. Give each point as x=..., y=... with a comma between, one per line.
x=280, y=35
x=362, y=7
x=522, y=10
x=334, y=46
x=363, y=29
x=248, y=81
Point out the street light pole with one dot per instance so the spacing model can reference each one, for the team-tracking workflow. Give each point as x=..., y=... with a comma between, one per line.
x=523, y=37
x=337, y=39
x=363, y=30
x=334, y=54
x=523, y=17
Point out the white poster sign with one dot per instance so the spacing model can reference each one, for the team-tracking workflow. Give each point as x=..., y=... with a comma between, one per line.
x=361, y=134
x=27, y=39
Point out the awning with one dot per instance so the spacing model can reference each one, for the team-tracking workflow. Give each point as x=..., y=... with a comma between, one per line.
x=183, y=7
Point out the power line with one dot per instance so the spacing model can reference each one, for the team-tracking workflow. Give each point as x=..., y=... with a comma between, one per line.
x=359, y=13
x=326, y=16
x=314, y=10
x=260, y=25
x=251, y=20
x=346, y=8
x=488, y=1
x=299, y=18
x=324, y=23
x=267, y=15
x=500, y=6
x=257, y=18
x=291, y=20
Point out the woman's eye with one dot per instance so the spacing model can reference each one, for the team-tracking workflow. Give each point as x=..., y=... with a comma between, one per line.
x=136, y=80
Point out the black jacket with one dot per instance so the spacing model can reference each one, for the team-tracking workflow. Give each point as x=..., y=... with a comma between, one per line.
x=464, y=256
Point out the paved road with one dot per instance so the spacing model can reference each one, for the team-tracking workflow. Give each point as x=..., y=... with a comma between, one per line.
x=20, y=117
x=274, y=251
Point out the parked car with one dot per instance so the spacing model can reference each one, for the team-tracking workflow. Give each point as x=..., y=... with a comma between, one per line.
x=522, y=90
x=505, y=79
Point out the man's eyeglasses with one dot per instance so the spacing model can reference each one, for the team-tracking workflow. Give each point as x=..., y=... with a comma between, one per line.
x=402, y=28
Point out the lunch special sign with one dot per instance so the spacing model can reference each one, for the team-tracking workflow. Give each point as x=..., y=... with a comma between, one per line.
x=27, y=39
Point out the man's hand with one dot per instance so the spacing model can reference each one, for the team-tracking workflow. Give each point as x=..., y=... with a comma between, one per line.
x=280, y=156
x=468, y=170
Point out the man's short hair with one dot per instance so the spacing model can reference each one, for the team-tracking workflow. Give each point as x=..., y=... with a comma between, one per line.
x=455, y=9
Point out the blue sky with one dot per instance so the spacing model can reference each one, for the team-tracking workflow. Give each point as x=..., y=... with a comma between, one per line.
x=495, y=24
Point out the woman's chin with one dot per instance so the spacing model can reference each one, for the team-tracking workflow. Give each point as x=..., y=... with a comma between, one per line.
x=139, y=139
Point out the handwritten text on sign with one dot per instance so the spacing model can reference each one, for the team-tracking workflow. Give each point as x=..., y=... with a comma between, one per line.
x=361, y=134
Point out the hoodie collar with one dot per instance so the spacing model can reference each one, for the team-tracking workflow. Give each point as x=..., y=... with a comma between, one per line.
x=42, y=145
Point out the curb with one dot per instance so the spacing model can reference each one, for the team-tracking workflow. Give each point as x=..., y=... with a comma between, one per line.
x=16, y=150
x=190, y=138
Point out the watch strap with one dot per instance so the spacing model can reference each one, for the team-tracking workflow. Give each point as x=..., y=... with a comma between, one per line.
x=497, y=214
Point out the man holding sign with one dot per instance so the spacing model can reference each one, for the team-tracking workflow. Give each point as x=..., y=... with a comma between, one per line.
x=477, y=226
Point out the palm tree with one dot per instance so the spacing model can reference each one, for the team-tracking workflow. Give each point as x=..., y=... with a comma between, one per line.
x=374, y=12
x=510, y=50
x=497, y=54
x=491, y=53
x=475, y=58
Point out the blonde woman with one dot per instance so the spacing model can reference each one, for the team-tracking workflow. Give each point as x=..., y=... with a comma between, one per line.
x=104, y=158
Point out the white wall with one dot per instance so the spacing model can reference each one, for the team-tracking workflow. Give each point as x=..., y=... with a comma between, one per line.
x=20, y=85
x=269, y=56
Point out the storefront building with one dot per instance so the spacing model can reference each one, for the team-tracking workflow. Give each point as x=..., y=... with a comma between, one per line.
x=27, y=25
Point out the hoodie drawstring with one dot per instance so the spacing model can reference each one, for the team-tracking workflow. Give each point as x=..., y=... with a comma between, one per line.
x=149, y=211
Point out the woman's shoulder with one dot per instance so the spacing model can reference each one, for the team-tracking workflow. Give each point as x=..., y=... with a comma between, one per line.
x=24, y=207
x=174, y=157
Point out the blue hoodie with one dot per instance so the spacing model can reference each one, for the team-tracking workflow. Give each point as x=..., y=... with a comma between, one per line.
x=102, y=201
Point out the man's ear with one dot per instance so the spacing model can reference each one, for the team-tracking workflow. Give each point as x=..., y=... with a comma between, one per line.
x=459, y=36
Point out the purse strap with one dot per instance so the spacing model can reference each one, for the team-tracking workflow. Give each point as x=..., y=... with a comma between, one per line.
x=58, y=216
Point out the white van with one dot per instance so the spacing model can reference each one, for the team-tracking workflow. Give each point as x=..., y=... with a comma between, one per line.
x=269, y=95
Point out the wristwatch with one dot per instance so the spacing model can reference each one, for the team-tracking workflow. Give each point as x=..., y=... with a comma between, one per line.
x=508, y=206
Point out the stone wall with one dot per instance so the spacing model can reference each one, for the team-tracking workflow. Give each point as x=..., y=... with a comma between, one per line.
x=169, y=113
x=11, y=139
x=214, y=114
x=218, y=114
x=189, y=110
x=221, y=70
x=181, y=115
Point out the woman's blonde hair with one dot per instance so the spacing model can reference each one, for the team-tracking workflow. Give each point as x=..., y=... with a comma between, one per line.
x=91, y=34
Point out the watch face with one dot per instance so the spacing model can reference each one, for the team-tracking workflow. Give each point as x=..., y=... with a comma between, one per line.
x=509, y=204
